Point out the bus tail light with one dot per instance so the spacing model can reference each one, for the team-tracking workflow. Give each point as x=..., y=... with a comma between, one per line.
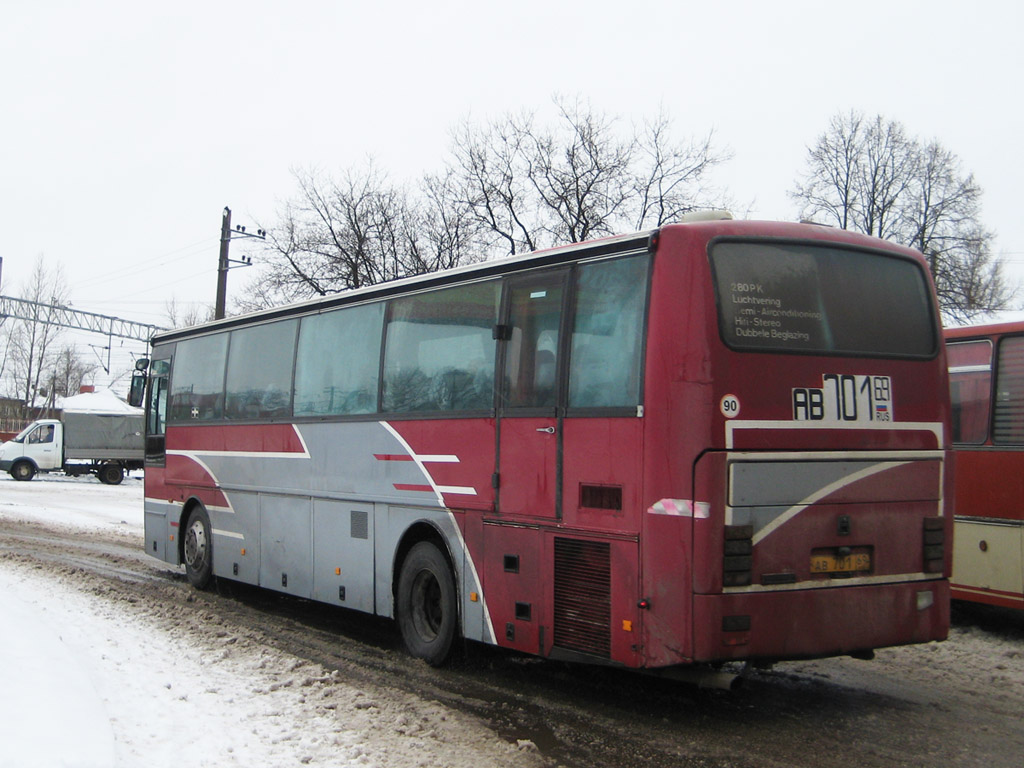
x=934, y=542
x=738, y=555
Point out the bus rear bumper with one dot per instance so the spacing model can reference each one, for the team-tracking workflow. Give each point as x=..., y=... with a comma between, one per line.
x=836, y=621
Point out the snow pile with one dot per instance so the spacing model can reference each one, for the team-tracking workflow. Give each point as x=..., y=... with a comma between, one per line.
x=94, y=678
x=75, y=502
x=101, y=401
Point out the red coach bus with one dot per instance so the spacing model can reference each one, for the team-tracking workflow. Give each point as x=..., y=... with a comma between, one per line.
x=986, y=379
x=718, y=441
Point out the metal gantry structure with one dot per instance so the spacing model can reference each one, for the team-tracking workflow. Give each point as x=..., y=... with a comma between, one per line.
x=57, y=314
x=66, y=317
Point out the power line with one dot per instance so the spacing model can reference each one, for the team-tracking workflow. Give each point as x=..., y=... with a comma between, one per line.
x=146, y=265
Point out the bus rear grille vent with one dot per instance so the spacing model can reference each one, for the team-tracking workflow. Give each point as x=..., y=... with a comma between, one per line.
x=583, y=596
x=360, y=524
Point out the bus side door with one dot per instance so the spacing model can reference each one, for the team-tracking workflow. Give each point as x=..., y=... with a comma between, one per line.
x=529, y=440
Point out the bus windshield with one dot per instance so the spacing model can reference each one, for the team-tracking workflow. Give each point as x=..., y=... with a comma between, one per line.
x=799, y=297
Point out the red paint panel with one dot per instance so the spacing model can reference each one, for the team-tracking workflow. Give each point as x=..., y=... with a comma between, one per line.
x=988, y=596
x=915, y=481
x=667, y=564
x=162, y=483
x=470, y=441
x=528, y=468
x=523, y=584
x=817, y=622
x=603, y=452
x=893, y=531
x=269, y=438
x=989, y=483
x=412, y=487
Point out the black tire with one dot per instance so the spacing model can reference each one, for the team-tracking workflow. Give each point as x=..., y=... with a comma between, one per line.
x=110, y=474
x=198, y=549
x=427, y=609
x=23, y=470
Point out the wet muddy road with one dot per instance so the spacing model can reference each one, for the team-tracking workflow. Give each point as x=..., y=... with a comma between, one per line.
x=958, y=703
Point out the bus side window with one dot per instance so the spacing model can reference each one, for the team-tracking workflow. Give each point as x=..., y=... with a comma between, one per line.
x=259, y=378
x=197, y=388
x=607, y=337
x=158, y=397
x=1008, y=421
x=970, y=383
x=439, y=350
x=531, y=356
x=338, y=362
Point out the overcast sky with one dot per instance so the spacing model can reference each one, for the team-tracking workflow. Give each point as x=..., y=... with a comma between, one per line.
x=128, y=126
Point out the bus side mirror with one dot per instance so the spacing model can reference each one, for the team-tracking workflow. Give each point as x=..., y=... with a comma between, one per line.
x=137, y=392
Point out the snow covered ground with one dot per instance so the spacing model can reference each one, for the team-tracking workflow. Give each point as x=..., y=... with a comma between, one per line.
x=85, y=680
x=95, y=674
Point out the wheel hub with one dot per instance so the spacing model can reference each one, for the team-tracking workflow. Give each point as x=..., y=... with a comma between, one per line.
x=195, y=545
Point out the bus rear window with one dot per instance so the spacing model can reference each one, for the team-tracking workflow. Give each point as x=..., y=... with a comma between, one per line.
x=799, y=297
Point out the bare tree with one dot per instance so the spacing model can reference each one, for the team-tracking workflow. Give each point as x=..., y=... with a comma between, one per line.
x=335, y=235
x=32, y=343
x=579, y=174
x=511, y=186
x=488, y=177
x=69, y=372
x=441, y=234
x=191, y=314
x=533, y=185
x=671, y=177
x=868, y=176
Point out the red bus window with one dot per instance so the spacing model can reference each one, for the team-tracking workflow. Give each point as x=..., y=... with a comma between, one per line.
x=1008, y=421
x=970, y=385
x=801, y=297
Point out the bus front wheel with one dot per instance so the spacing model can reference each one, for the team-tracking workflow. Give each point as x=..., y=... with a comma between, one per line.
x=426, y=609
x=198, y=549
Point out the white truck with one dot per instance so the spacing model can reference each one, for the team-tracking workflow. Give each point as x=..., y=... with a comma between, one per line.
x=103, y=444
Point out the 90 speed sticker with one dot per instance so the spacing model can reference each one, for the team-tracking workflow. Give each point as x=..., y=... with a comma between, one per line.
x=730, y=406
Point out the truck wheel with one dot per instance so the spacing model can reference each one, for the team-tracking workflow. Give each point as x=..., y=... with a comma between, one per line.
x=198, y=549
x=23, y=470
x=111, y=474
x=426, y=609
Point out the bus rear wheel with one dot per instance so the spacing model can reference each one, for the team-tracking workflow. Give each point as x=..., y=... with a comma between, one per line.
x=426, y=608
x=198, y=546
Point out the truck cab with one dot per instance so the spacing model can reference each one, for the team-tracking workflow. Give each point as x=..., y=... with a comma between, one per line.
x=37, y=448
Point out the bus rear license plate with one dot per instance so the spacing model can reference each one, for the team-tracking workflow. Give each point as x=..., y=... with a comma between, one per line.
x=832, y=563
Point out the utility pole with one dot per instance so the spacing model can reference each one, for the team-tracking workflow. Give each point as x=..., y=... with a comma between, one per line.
x=224, y=263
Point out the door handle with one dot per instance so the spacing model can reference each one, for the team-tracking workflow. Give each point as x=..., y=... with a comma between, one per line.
x=547, y=430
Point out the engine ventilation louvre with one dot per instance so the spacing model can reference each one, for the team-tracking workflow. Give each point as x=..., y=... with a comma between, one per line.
x=359, y=524
x=583, y=596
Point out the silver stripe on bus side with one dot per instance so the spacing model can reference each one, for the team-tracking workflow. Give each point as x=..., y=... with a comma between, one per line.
x=935, y=427
x=971, y=369
x=1001, y=522
x=896, y=578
